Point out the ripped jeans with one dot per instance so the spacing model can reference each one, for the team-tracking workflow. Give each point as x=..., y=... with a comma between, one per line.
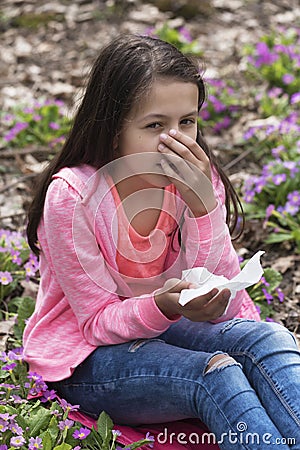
x=254, y=392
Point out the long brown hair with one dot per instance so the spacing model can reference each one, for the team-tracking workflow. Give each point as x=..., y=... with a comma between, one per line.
x=121, y=74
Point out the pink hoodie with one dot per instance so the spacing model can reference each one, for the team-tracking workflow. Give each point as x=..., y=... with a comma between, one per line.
x=83, y=302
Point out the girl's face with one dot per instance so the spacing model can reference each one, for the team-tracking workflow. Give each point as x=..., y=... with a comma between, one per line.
x=169, y=104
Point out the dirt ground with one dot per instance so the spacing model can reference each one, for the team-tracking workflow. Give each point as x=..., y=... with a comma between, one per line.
x=47, y=46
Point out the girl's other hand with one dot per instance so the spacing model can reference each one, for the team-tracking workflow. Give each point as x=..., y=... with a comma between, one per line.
x=201, y=309
x=186, y=164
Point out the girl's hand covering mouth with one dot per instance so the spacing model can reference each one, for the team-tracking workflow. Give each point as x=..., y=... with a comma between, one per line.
x=186, y=164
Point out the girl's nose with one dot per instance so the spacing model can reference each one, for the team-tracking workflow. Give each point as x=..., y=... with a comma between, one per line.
x=173, y=127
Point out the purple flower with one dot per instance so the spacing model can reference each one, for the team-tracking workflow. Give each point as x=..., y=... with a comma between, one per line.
x=67, y=406
x=37, y=385
x=291, y=209
x=264, y=56
x=279, y=178
x=15, y=257
x=4, y=357
x=18, y=400
x=288, y=78
x=3, y=425
x=269, y=210
x=33, y=376
x=268, y=296
x=5, y=278
x=3, y=447
x=268, y=319
x=249, y=133
x=16, y=429
x=28, y=110
x=295, y=98
x=17, y=441
x=48, y=395
x=264, y=281
x=291, y=166
x=280, y=295
x=249, y=196
x=33, y=260
x=277, y=151
x=20, y=126
x=204, y=114
x=16, y=354
x=58, y=103
x=150, y=438
x=294, y=198
x=9, y=367
x=54, y=126
x=81, y=434
x=35, y=443
x=185, y=34
x=29, y=270
x=116, y=432
x=65, y=424
x=9, y=387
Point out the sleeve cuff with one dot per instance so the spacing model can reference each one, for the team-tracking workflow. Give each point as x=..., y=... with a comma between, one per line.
x=152, y=316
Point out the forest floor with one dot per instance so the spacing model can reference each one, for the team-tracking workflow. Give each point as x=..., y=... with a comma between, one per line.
x=47, y=47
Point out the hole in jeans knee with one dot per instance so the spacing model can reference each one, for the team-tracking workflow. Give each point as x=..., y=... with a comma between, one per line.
x=220, y=361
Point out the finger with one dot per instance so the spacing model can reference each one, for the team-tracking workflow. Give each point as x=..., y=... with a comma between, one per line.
x=217, y=305
x=183, y=159
x=202, y=300
x=184, y=145
x=173, y=173
x=175, y=285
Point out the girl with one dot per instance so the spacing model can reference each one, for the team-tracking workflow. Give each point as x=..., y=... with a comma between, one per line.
x=135, y=197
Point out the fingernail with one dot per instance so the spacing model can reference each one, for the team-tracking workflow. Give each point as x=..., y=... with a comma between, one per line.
x=163, y=136
x=161, y=146
x=172, y=132
x=226, y=295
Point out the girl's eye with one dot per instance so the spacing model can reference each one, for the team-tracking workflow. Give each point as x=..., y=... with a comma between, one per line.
x=153, y=125
x=188, y=121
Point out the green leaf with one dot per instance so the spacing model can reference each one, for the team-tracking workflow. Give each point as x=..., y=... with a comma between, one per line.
x=139, y=444
x=39, y=421
x=47, y=441
x=105, y=426
x=63, y=446
x=273, y=277
x=278, y=237
x=25, y=310
x=296, y=234
x=53, y=429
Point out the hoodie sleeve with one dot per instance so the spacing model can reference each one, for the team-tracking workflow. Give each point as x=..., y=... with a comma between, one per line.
x=208, y=244
x=69, y=245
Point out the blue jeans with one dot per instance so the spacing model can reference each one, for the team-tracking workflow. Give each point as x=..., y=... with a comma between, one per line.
x=249, y=402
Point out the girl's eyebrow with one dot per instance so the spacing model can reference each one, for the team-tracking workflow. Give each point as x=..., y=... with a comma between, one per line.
x=163, y=116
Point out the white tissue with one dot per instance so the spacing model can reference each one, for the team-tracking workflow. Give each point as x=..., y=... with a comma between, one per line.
x=249, y=275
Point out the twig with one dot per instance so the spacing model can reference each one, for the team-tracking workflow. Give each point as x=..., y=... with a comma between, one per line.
x=13, y=215
x=238, y=158
x=15, y=183
x=11, y=153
